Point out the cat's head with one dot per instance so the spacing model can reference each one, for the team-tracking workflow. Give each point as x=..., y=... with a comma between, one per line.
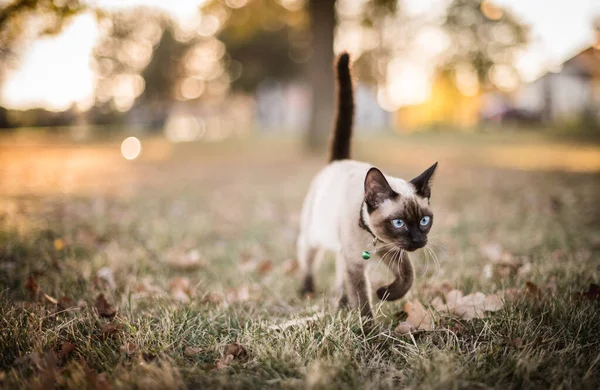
x=398, y=211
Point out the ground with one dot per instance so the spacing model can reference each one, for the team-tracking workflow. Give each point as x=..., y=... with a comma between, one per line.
x=193, y=246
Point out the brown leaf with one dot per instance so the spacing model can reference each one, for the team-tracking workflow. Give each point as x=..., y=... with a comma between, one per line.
x=145, y=288
x=129, y=348
x=264, y=267
x=96, y=382
x=290, y=266
x=191, y=351
x=418, y=318
x=232, y=352
x=66, y=303
x=104, y=308
x=187, y=261
x=110, y=329
x=533, y=289
x=467, y=306
x=241, y=294
x=181, y=290
x=65, y=350
x=33, y=287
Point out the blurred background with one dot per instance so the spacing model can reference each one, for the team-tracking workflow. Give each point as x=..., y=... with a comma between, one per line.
x=215, y=69
x=87, y=85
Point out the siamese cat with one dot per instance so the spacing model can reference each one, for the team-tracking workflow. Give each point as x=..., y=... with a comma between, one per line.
x=355, y=210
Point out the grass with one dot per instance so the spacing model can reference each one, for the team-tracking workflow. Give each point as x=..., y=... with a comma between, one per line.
x=74, y=210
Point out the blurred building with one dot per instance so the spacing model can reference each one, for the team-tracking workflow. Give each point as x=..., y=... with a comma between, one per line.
x=566, y=95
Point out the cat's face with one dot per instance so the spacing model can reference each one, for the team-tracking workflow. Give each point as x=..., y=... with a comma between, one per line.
x=403, y=218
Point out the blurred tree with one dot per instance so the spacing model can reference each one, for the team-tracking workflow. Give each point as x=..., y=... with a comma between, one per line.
x=484, y=38
x=16, y=25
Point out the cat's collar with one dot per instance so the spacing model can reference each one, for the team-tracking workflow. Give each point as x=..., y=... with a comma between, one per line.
x=362, y=223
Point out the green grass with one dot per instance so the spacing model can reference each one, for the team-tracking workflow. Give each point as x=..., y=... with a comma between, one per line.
x=239, y=204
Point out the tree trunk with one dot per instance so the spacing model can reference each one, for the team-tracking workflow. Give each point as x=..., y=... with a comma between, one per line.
x=320, y=73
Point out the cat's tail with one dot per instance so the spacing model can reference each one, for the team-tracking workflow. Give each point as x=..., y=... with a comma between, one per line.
x=339, y=148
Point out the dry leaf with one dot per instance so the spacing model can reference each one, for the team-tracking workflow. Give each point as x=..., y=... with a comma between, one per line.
x=418, y=318
x=145, y=288
x=467, y=306
x=65, y=350
x=241, y=294
x=232, y=352
x=290, y=266
x=66, y=303
x=129, y=348
x=181, y=290
x=104, y=308
x=33, y=287
x=533, y=289
x=264, y=267
x=110, y=329
x=187, y=261
x=191, y=351
x=105, y=279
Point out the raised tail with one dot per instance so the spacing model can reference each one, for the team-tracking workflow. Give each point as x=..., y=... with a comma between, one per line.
x=339, y=148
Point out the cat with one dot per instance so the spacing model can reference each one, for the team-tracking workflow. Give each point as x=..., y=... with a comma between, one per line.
x=352, y=206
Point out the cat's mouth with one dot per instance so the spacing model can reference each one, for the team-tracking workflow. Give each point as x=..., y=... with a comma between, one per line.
x=414, y=246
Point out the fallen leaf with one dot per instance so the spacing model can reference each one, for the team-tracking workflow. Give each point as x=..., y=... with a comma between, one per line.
x=105, y=279
x=129, y=348
x=533, y=289
x=33, y=287
x=264, y=267
x=145, y=288
x=96, y=382
x=467, y=306
x=66, y=303
x=65, y=350
x=232, y=352
x=290, y=266
x=110, y=329
x=419, y=318
x=180, y=290
x=186, y=261
x=104, y=308
x=191, y=351
x=503, y=263
x=241, y=294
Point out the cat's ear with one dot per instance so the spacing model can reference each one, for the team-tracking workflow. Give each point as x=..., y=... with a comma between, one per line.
x=377, y=189
x=422, y=182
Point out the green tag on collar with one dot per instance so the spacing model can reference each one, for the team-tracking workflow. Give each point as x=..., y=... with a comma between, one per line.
x=366, y=255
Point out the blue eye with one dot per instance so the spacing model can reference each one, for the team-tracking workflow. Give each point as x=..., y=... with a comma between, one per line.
x=398, y=223
x=425, y=221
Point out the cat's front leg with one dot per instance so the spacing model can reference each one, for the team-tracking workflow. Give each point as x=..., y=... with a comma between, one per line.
x=403, y=272
x=357, y=288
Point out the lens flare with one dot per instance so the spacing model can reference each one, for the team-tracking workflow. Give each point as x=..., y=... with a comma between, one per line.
x=131, y=148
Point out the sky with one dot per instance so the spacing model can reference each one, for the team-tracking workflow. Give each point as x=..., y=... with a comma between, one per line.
x=56, y=71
